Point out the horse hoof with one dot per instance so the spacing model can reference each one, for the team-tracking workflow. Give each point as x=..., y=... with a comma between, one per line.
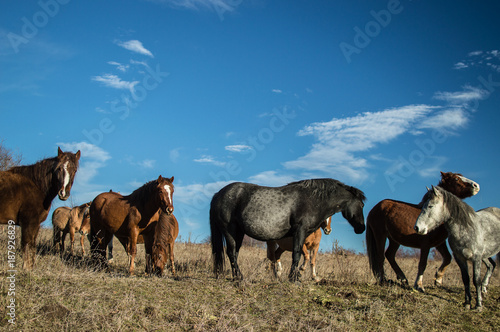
x=478, y=308
x=467, y=306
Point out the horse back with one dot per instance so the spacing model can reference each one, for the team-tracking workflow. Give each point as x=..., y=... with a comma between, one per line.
x=20, y=199
x=109, y=210
x=60, y=217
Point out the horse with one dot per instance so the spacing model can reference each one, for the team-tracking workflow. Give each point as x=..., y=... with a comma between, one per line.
x=128, y=216
x=27, y=192
x=70, y=220
x=473, y=236
x=394, y=220
x=310, y=249
x=270, y=213
x=166, y=231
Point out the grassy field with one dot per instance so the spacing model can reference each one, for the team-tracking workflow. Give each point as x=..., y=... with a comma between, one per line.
x=68, y=296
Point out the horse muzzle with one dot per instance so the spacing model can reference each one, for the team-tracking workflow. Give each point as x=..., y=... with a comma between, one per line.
x=359, y=229
x=63, y=194
x=420, y=230
x=168, y=210
x=327, y=231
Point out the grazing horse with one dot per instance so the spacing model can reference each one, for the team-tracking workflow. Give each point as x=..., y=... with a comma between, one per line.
x=473, y=236
x=271, y=213
x=167, y=229
x=394, y=220
x=128, y=216
x=70, y=220
x=309, y=249
x=26, y=194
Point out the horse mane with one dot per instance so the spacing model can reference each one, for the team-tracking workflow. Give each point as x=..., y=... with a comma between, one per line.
x=143, y=192
x=460, y=211
x=323, y=188
x=40, y=173
x=162, y=232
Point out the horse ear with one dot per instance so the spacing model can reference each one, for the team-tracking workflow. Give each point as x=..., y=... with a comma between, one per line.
x=427, y=188
x=160, y=178
x=78, y=155
x=435, y=191
x=59, y=152
x=172, y=179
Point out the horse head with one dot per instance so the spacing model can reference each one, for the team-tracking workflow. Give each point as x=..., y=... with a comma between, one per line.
x=458, y=185
x=327, y=225
x=64, y=171
x=85, y=227
x=353, y=213
x=165, y=193
x=431, y=215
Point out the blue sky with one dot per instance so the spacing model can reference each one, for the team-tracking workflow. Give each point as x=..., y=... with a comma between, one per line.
x=381, y=95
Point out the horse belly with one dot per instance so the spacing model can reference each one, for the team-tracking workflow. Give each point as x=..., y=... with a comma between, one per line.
x=267, y=216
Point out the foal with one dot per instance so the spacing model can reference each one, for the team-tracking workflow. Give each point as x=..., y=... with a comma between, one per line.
x=310, y=249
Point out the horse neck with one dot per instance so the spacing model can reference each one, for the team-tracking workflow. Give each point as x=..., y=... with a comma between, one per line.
x=460, y=214
x=41, y=175
x=142, y=200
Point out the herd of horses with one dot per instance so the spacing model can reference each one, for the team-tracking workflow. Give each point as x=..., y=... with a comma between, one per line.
x=287, y=218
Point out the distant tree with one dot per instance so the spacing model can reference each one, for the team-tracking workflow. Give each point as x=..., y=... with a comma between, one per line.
x=8, y=158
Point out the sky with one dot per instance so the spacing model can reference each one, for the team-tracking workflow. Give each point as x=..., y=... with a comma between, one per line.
x=381, y=95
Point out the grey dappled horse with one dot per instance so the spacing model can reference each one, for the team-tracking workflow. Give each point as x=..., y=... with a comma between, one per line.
x=271, y=213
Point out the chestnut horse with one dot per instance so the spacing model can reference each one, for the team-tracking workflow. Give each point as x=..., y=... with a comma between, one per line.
x=70, y=220
x=395, y=220
x=26, y=194
x=166, y=231
x=128, y=216
x=310, y=249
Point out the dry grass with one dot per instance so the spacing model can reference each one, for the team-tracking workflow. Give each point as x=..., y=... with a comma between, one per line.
x=68, y=296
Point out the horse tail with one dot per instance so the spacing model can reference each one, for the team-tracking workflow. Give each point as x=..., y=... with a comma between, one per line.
x=217, y=241
x=375, y=256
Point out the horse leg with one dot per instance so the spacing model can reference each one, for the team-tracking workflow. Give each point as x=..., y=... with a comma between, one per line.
x=390, y=254
x=110, y=250
x=307, y=257
x=476, y=266
x=314, y=253
x=271, y=250
x=233, y=243
x=63, y=238
x=72, y=238
x=278, y=254
x=445, y=253
x=81, y=243
x=132, y=249
x=171, y=256
x=298, y=242
x=148, y=247
x=490, y=266
x=422, y=264
x=465, y=279
x=29, y=233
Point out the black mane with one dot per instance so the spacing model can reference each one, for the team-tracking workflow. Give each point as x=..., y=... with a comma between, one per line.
x=40, y=173
x=322, y=188
x=460, y=212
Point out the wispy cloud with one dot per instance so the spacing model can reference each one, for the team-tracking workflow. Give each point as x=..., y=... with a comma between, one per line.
x=339, y=141
x=210, y=160
x=135, y=46
x=467, y=95
x=277, y=91
x=271, y=178
x=115, y=82
x=119, y=66
x=488, y=59
x=238, y=148
x=216, y=5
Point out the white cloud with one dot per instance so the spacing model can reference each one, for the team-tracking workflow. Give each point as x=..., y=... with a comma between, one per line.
x=210, y=160
x=271, y=178
x=277, y=91
x=338, y=142
x=119, y=66
x=135, y=46
x=238, y=148
x=448, y=119
x=113, y=81
x=460, y=65
x=219, y=6
x=147, y=163
x=467, y=95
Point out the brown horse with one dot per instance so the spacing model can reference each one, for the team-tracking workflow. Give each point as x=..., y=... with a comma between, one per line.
x=310, y=249
x=70, y=220
x=26, y=194
x=166, y=231
x=395, y=220
x=128, y=216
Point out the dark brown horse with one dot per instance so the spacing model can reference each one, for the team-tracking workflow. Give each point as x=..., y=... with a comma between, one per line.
x=128, y=216
x=395, y=220
x=67, y=220
x=26, y=194
x=166, y=231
